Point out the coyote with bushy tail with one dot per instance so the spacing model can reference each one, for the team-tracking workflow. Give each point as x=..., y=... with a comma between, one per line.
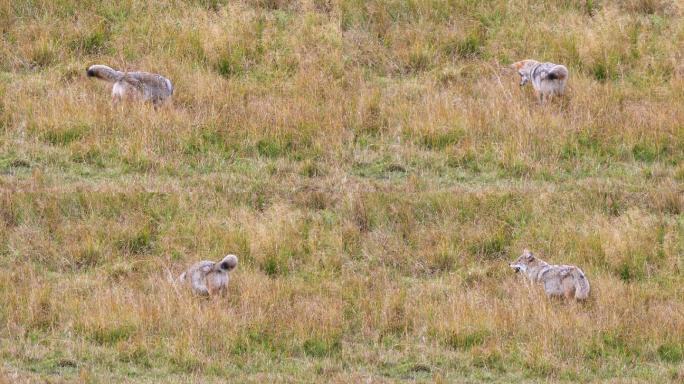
x=559, y=280
x=134, y=85
x=548, y=79
x=208, y=278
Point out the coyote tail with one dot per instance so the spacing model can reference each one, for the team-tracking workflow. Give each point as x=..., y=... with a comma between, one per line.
x=228, y=263
x=105, y=73
x=581, y=284
x=558, y=73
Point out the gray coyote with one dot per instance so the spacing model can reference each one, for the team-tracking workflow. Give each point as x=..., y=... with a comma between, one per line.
x=548, y=79
x=134, y=85
x=207, y=278
x=559, y=280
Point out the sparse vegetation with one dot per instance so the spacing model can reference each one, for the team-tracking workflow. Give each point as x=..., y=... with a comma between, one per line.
x=374, y=166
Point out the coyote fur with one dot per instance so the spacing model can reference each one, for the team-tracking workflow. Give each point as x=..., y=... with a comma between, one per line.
x=558, y=280
x=134, y=85
x=548, y=79
x=208, y=278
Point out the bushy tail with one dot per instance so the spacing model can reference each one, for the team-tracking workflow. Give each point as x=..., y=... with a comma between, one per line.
x=228, y=263
x=559, y=72
x=581, y=284
x=105, y=73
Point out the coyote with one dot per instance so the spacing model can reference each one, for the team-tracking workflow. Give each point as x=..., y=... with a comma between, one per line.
x=548, y=79
x=559, y=280
x=134, y=85
x=209, y=278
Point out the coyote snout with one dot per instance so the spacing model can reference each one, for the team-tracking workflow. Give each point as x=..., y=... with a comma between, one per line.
x=209, y=278
x=134, y=85
x=548, y=79
x=559, y=280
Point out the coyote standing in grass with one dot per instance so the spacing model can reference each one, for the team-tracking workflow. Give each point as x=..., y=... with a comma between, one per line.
x=548, y=79
x=559, y=280
x=134, y=85
x=209, y=278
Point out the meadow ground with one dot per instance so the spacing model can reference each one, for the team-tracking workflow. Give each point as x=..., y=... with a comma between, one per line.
x=374, y=166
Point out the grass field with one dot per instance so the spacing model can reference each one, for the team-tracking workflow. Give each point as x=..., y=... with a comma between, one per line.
x=374, y=166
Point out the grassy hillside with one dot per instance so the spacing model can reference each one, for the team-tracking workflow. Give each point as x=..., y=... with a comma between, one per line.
x=375, y=167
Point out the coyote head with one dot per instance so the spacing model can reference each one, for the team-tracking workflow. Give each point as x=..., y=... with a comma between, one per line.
x=523, y=70
x=523, y=262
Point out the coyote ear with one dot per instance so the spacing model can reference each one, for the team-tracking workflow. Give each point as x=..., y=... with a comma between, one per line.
x=517, y=65
x=527, y=253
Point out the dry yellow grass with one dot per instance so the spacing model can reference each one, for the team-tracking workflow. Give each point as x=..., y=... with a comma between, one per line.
x=374, y=166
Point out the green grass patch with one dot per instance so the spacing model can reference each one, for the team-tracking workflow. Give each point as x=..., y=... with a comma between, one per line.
x=467, y=340
x=648, y=151
x=322, y=347
x=671, y=352
x=65, y=136
x=137, y=242
x=112, y=335
x=441, y=140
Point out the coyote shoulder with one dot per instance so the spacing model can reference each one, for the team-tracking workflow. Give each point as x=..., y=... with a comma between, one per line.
x=548, y=79
x=209, y=278
x=134, y=85
x=559, y=280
